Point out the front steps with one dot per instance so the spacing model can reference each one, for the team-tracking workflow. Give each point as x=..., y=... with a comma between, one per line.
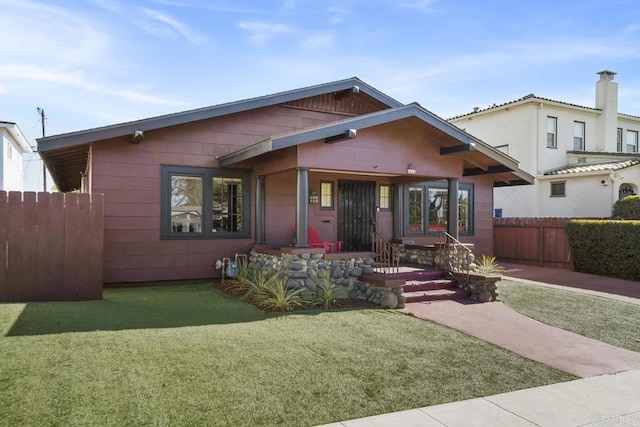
x=419, y=285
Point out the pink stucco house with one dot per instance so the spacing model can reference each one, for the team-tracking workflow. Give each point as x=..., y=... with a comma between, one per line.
x=186, y=189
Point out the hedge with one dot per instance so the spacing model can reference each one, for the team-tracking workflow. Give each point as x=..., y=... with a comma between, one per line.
x=605, y=247
x=627, y=208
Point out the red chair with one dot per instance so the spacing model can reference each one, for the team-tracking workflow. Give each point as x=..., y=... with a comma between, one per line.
x=315, y=242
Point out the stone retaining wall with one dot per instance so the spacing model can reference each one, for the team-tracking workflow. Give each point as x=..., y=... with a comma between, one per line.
x=306, y=271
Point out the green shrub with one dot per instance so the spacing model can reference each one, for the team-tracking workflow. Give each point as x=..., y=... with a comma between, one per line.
x=627, y=208
x=325, y=292
x=605, y=247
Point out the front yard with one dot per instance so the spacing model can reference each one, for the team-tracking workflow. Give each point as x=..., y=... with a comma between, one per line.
x=189, y=355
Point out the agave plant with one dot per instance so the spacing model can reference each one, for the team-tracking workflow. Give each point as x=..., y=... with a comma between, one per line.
x=270, y=292
x=325, y=292
x=488, y=265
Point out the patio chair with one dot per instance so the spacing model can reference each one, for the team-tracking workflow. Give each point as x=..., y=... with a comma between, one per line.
x=315, y=242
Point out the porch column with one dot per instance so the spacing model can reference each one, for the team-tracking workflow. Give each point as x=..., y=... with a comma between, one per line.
x=260, y=210
x=452, y=220
x=302, y=208
x=397, y=211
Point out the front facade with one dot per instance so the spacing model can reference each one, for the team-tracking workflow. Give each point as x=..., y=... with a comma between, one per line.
x=14, y=147
x=583, y=158
x=184, y=190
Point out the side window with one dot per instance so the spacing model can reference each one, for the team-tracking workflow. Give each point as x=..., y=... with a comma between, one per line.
x=204, y=203
x=558, y=189
x=552, y=131
x=385, y=198
x=326, y=195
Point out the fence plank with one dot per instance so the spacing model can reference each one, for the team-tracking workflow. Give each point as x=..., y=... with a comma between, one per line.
x=14, y=248
x=56, y=211
x=97, y=245
x=43, y=273
x=29, y=244
x=71, y=253
x=83, y=257
x=4, y=222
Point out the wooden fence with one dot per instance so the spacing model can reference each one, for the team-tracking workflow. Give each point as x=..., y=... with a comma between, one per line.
x=533, y=241
x=51, y=246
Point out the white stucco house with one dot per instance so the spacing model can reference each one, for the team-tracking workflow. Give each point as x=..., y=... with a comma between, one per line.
x=583, y=158
x=14, y=146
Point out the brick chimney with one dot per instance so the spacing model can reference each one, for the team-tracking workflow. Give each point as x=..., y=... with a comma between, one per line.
x=607, y=102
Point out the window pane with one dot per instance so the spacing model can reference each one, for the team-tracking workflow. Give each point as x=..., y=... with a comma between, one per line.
x=438, y=208
x=619, y=140
x=551, y=131
x=186, y=204
x=558, y=189
x=385, y=197
x=632, y=141
x=416, y=206
x=578, y=135
x=326, y=195
x=463, y=210
x=227, y=205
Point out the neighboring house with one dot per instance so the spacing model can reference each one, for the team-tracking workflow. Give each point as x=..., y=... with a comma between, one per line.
x=186, y=189
x=14, y=146
x=583, y=158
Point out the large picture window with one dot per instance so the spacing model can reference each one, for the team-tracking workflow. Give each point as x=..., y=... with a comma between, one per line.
x=204, y=202
x=427, y=208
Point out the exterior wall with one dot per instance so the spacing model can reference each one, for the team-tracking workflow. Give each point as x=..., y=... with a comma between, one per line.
x=523, y=128
x=11, y=171
x=129, y=177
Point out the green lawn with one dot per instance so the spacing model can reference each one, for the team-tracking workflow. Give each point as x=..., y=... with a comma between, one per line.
x=614, y=322
x=188, y=355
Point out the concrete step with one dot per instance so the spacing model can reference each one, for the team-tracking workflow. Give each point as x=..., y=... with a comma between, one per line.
x=416, y=286
x=436, y=295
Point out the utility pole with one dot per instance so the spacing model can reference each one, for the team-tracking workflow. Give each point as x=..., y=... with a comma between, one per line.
x=44, y=168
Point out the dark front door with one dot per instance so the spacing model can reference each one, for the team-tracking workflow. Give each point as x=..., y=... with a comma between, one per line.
x=356, y=214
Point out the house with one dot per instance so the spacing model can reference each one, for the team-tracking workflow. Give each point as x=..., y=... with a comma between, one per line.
x=185, y=189
x=14, y=146
x=583, y=158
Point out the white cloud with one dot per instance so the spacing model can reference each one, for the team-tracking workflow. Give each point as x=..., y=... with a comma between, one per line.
x=422, y=5
x=261, y=32
x=3, y=90
x=174, y=25
x=632, y=28
x=338, y=14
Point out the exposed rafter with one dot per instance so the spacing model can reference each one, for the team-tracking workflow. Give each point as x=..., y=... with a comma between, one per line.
x=456, y=149
x=489, y=171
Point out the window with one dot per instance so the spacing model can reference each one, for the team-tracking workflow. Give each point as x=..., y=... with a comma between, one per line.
x=552, y=130
x=619, y=141
x=204, y=202
x=578, y=136
x=385, y=198
x=558, y=189
x=632, y=141
x=430, y=215
x=326, y=195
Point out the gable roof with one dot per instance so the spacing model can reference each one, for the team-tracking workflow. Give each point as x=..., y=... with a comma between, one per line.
x=477, y=152
x=533, y=98
x=17, y=136
x=128, y=128
x=597, y=167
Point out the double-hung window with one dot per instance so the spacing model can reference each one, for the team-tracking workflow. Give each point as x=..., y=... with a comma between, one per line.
x=632, y=141
x=427, y=208
x=578, y=136
x=204, y=202
x=619, y=140
x=552, y=132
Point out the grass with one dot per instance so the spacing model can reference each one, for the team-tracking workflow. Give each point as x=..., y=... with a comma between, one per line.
x=189, y=355
x=614, y=322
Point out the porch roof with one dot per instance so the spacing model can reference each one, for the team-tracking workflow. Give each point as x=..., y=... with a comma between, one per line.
x=479, y=157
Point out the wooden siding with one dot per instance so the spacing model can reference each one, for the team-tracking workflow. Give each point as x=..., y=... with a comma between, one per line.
x=51, y=246
x=351, y=105
x=534, y=241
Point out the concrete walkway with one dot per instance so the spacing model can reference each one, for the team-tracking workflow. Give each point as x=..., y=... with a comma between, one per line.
x=608, y=394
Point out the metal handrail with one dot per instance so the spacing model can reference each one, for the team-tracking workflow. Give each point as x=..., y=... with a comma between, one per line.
x=387, y=260
x=453, y=260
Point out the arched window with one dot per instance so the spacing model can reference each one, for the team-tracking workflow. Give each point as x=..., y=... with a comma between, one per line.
x=626, y=190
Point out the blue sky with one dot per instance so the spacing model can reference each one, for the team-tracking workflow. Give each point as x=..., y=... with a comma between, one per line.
x=98, y=62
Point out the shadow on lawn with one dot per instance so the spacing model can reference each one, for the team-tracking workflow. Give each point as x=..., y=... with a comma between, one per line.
x=136, y=308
